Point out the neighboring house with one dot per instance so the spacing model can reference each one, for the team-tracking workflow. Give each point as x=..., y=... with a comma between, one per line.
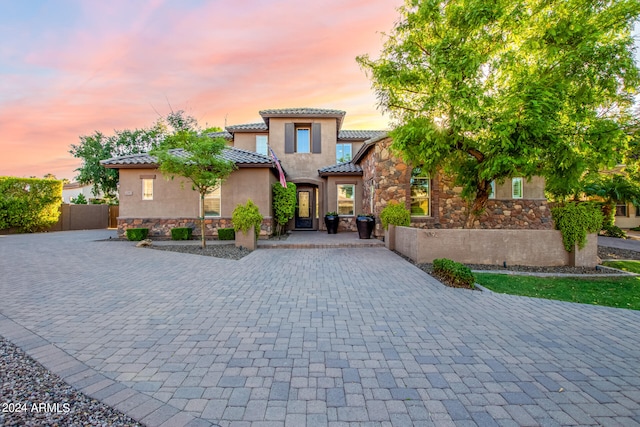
x=73, y=189
x=348, y=171
x=627, y=215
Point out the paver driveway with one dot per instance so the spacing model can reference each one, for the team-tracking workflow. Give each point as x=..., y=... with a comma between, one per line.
x=309, y=337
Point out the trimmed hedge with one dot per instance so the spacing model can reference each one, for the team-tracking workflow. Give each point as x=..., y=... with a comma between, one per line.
x=137, y=234
x=226, y=234
x=29, y=204
x=395, y=214
x=453, y=273
x=181, y=233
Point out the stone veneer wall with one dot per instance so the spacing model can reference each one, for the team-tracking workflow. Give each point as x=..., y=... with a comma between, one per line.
x=161, y=227
x=499, y=214
x=386, y=177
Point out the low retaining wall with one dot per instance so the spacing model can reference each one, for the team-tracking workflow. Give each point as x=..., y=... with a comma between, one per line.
x=475, y=246
x=161, y=227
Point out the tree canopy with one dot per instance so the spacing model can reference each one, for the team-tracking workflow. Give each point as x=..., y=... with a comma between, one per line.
x=98, y=146
x=488, y=90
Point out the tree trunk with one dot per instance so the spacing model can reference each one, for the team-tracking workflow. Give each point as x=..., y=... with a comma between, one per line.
x=203, y=240
x=608, y=211
x=479, y=203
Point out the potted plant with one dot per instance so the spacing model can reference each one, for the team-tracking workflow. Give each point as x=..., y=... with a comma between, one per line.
x=331, y=220
x=365, y=224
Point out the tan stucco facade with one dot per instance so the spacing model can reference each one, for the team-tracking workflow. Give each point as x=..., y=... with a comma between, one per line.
x=175, y=198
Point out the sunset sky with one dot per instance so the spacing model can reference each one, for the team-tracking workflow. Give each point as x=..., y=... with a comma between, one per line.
x=72, y=67
x=69, y=68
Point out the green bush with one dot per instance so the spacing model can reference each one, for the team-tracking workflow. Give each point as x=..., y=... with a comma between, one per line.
x=284, y=204
x=614, y=231
x=575, y=220
x=226, y=234
x=181, y=233
x=395, y=214
x=635, y=229
x=454, y=273
x=29, y=204
x=137, y=234
x=246, y=216
x=79, y=200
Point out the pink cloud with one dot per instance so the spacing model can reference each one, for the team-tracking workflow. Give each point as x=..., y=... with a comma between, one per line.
x=121, y=64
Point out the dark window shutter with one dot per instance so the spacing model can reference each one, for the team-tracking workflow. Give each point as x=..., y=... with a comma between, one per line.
x=316, y=138
x=289, y=138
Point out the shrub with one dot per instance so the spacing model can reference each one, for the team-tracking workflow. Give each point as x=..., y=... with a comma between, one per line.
x=614, y=231
x=395, y=214
x=226, y=234
x=29, y=204
x=284, y=204
x=453, y=273
x=79, y=200
x=635, y=229
x=575, y=220
x=181, y=233
x=245, y=216
x=137, y=234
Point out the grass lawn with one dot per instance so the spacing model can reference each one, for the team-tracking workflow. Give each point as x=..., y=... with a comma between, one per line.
x=631, y=266
x=620, y=292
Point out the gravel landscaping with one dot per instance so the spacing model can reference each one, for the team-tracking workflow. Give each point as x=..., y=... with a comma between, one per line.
x=218, y=251
x=32, y=396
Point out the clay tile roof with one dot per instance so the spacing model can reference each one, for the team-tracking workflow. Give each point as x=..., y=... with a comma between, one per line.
x=346, y=168
x=236, y=155
x=359, y=134
x=224, y=134
x=296, y=112
x=247, y=127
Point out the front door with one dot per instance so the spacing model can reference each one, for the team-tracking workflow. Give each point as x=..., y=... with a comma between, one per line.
x=304, y=210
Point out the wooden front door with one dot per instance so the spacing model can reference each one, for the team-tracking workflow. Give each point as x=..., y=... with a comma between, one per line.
x=305, y=208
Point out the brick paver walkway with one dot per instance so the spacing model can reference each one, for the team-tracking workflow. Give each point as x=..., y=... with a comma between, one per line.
x=295, y=337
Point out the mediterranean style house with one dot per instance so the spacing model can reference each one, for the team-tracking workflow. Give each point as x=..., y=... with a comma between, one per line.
x=334, y=169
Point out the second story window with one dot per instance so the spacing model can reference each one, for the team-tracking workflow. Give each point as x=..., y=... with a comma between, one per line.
x=303, y=140
x=343, y=153
x=262, y=143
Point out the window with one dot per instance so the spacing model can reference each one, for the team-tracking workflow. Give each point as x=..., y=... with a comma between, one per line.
x=621, y=210
x=637, y=210
x=346, y=199
x=212, y=202
x=147, y=189
x=262, y=144
x=303, y=140
x=516, y=188
x=420, y=192
x=343, y=153
x=492, y=195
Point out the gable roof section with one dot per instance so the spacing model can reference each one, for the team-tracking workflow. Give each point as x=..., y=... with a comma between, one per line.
x=303, y=112
x=346, y=168
x=224, y=134
x=248, y=127
x=367, y=145
x=241, y=158
x=359, y=135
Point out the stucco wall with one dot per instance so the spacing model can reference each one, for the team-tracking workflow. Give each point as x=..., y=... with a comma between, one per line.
x=175, y=198
x=515, y=247
x=247, y=140
x=304, y=165
x=629, y=221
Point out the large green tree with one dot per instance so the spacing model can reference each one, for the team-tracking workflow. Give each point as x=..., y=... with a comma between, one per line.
x=491, y=89
x=198, y=158
x=98, y=146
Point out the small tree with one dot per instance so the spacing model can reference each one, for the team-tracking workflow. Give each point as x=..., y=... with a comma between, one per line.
x=612, y=189
x=197, y=158
x=79, y=200
x=284, y=205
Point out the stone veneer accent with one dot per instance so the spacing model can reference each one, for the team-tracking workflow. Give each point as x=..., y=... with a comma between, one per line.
x=386, y=177
x=161, y=227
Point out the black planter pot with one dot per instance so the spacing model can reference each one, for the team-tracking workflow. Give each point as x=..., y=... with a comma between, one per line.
x=332, y=221
x=365, y=226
